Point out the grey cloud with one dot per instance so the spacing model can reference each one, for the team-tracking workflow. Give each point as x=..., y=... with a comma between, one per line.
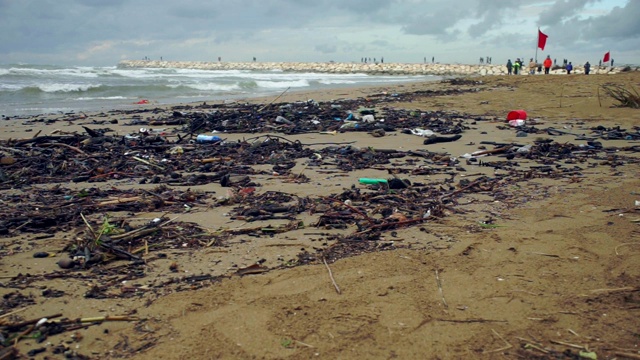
x=189, y=28
x=563, y=10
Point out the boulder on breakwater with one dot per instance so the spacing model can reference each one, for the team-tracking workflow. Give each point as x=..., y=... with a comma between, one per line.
x=350, y=68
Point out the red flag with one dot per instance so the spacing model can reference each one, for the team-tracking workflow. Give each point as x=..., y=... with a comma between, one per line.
x=542, y=39
x=606, y=57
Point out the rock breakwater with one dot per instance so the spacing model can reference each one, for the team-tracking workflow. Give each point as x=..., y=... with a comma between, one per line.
x=350, y=68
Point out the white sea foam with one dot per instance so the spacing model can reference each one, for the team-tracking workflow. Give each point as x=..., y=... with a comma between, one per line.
x=214, y=87
x=58, y=87
x=335, y=82
x=89, y=98
x=35, y=72
x=282, y=84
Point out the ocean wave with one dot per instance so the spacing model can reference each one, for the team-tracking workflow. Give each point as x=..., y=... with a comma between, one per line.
x=90, y=98
x=35, y=72
x=214, y=87
x=336, y=82
x=59, y=87
x=282, y=84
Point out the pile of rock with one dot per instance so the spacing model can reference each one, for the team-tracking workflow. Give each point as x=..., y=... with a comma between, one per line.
x=350, y=68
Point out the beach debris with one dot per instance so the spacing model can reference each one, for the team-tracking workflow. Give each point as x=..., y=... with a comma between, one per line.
x=92, y=196
x=441, y=139
x=422, y=132
x=372, y=181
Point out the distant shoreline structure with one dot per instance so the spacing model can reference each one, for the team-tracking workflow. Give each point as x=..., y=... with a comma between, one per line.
x=436, y=69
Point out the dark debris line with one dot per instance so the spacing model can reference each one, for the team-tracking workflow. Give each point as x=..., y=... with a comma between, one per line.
x=173, y=161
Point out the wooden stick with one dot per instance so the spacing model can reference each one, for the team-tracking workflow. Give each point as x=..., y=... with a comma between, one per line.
x=568, y=344
x=120, y=201
x=627, y=355
x=147, y=162
x=508, y=345
x=331, y=276
x=12, y=312
x=625, y=244
x=440, y=290
x=622, y=289
x=93, y=233
x=65, y=146
x=274, y=100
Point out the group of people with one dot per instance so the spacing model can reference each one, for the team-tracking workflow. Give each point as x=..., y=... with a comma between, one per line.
x=364, y=60
x=516, y=67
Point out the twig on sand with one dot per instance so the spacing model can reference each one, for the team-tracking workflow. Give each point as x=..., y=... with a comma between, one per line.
x=568, y=344
x=627, y=355
x=12, y=312
x=274, y=100
x=440, y=289
x=506, y=347
x=625, y=244
x=65, y=146
x=93, y=233
x=331, y=276
x=622, y=289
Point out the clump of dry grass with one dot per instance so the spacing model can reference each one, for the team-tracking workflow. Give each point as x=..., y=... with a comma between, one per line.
x=626, y=97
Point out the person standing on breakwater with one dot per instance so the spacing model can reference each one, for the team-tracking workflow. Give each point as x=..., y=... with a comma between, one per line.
x=547, y=64
x=532, y=67
x=509, y=67
x=587, y=68
x=516, y=66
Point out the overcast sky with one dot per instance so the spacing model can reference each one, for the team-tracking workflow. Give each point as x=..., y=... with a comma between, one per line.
x=103, y=32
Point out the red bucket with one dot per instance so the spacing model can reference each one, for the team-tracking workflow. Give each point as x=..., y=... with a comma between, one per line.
x=517, y=115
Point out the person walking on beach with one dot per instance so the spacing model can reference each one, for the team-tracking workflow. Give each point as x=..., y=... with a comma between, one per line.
x=569, y=67
x=509, y=67
x=587, y=68
x=547, y=64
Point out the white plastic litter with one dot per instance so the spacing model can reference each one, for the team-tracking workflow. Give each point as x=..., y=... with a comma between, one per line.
x=368, y=118
x=524, y=149
x=422, y=132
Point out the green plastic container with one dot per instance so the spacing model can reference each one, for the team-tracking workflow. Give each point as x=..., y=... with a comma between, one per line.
x=370, y=181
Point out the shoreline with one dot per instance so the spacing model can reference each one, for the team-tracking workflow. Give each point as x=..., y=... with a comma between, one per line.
x=350, y=68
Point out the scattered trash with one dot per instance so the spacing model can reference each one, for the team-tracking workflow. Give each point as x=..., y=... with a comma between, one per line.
x=207, y=138
x=371, y=181
x=422, y=132
x=517, y=115
x=516, y=118
x=441, y=139
x=368, y=118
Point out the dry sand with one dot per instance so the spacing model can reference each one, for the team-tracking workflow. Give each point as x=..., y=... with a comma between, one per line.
x=561, y=270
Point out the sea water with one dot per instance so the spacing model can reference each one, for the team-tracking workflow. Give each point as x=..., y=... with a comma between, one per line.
x=43, y=89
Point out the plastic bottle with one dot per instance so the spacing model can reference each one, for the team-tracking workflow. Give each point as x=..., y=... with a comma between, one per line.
x=370, y=181
x=207, y=138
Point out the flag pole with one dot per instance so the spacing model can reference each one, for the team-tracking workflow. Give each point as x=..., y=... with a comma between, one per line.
x=537, y=43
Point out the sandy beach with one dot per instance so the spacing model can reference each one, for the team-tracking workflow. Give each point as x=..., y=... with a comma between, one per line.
x=518, y=254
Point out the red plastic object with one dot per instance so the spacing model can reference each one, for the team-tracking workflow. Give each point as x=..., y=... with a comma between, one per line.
x=517, y=115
